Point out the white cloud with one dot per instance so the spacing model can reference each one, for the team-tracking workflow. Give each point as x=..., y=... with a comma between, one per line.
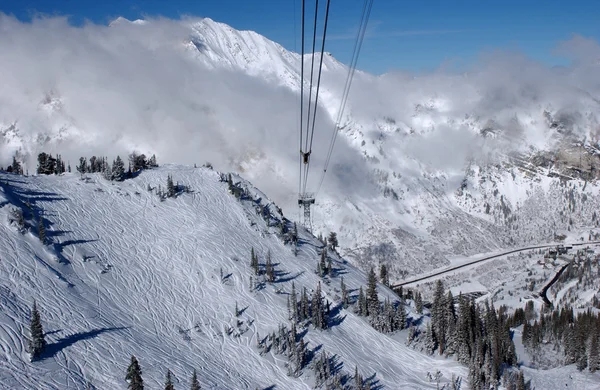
x=133, y=86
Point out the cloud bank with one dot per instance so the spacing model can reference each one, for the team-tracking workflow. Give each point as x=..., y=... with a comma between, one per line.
x=95, y=89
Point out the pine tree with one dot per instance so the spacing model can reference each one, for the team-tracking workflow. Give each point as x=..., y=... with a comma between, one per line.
x=42, y=231
x=430, y=339
x=318, y=310
x=82, y=167
x=134, y=375
x=152, y=162
x=322, y=264
x=400, y=315
x=358, y=380
x=593, y=355
x=372, y=298
x=438, y=316
x=170, y=187
x=254, y=261
x=362, y=303
x=520, y=381
x=37, y=342
x=118, y=170
x=294, y=304
x=304, y=306
x=269, y=269
x=418, y=302
x=383, y=275
x=169, y=382
x=333, y=241
x=16, y=167
x=345, y=298
x=195, y=384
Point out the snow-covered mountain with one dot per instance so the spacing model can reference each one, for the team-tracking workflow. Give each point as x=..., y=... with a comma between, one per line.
x=427, y=167
x=125, y=273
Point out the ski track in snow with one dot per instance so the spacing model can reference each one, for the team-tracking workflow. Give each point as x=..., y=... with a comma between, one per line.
x=127, y=274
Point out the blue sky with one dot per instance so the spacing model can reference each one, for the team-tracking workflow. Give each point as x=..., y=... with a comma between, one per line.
x=402, y=35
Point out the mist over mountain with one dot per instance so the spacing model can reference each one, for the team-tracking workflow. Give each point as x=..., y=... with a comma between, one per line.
x=418, y=154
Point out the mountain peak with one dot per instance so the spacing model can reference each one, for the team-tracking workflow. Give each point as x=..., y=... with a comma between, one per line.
x=122, y=20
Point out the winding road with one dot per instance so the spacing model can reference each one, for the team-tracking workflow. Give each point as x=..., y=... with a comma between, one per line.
x=454, y=268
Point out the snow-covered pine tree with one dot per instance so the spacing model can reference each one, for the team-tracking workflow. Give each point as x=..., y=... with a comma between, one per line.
x=37, y=343
x=118, y=169
x=294, y=304
x=438, y=316
x=383, y=275
x=593, y=352
x=318, y=310
x=358, y=379
x=269, y=269
x=430, y=339
x=152, y=162
x=345, y=298
x=412, y=334
x=372, y=298
x=450, y=330
x=400, y=315
x=169, y=382
x=362, y=303
x=304, y=306
x=170, y=187
x=134, y=375
x=195, y=384
x=520, y=381
x=418, y=302
x=322, y=264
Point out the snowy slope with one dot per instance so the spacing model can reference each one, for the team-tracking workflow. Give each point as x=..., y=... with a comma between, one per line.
x=125, y=273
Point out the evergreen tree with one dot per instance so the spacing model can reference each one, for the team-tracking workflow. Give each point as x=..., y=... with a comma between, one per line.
x=362, y=303
x=170, y=187
x=333, y=241
x=322, y=264
x=430, y=339
x=16, y=166
x=418, y=302
x=438, y=316
x=345, y=297
x=169, y=382
x=383, y=275
x=593, y=355
x=37, y=342
x=358, y=380
x=450, y=325
x=304, y=306
x=254, y=261
x=195, y=384
x=269, y=269
x=318, y=310
x=134, y=375
x=82, y=167
x=372, y=298
x=152, y=162
x=401, y=315
x=294, y=304
x=42, y=231
x=520, y=381
x=46, y=164
x=118, y=170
